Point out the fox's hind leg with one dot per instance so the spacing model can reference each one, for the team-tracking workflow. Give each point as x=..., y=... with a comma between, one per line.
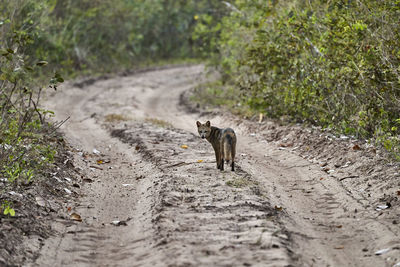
x=233, y=152
x=222, y=162
x=222, y=155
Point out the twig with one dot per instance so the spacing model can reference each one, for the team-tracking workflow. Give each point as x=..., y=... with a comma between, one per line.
x=348, y=177
x=58, y=125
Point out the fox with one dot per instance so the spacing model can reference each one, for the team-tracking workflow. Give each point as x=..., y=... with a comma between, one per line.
x=222, y=140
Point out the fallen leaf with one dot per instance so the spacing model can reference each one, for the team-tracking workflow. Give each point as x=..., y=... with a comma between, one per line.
x=339, y=226
x=382, y=207
x=96, y=167
x=286, y=144
x=40, y=201
x=356, y=147
x=200, y=160
x=322, y=178
x=75, y=217
x=137, y=147
x=99, y=161
x=68, y=191
x=279, y=208
x=119, y=223
x=13, y=193
x=382, y=251
x=184, y=146
x=260, y=117
x=69, y=209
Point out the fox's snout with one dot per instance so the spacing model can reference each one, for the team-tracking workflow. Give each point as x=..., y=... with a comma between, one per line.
x=203, y=136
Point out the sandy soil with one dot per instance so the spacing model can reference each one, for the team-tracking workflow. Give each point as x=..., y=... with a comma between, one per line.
x=152, y=196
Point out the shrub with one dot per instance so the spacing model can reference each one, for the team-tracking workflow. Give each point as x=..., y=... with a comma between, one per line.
x=329, y=63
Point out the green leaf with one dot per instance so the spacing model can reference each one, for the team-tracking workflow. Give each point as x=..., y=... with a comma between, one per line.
x=42, y=63
x=58, y=77
x=3, y=52
x=12, y=212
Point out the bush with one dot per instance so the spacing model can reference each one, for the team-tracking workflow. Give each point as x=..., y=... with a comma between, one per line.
x=330, y=63
x=23, y=128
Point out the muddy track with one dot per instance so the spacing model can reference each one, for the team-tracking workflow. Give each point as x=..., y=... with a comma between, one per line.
x=153, y=202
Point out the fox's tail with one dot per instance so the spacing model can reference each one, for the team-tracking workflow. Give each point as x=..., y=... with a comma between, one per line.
x=229, y=148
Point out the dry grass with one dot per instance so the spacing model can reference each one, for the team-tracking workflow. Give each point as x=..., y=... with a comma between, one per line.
x=158, y=122
x=116, y=118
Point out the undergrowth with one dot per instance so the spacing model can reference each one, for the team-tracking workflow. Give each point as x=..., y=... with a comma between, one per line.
x=329, y=63
x=25, y=149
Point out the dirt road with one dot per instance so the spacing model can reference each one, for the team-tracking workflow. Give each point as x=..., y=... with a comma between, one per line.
x=152, y=196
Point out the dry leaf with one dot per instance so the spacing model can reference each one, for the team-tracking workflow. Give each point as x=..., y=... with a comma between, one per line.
x=40, y=201
x=356, y=147
x=260, y=118
x=68, y=191
x=200, y=160
x=279, y=208
x=382, y=251
x=99, y=161
x=286, y=144
x=75, y=217
x=184, y=146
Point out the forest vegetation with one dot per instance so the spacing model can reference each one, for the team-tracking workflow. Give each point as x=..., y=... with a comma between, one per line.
x=333, y=64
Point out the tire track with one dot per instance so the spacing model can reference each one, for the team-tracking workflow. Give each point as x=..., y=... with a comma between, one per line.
x=204, y=217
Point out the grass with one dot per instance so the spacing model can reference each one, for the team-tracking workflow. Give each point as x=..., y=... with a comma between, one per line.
x=116, y=118
x=158, y=122
x=239, y=182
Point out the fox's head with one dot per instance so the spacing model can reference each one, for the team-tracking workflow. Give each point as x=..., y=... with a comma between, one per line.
x=204, y=129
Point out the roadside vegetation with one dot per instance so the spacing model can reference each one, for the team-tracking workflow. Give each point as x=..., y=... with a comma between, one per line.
x=334, y=64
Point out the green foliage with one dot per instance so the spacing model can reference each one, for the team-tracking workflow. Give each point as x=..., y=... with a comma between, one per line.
x=101, y=36
x=7, y=210
x=330, y=63
x=23, y=127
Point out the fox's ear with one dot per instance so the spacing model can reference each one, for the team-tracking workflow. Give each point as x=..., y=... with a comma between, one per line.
x=198, y=124
x=208, y=123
